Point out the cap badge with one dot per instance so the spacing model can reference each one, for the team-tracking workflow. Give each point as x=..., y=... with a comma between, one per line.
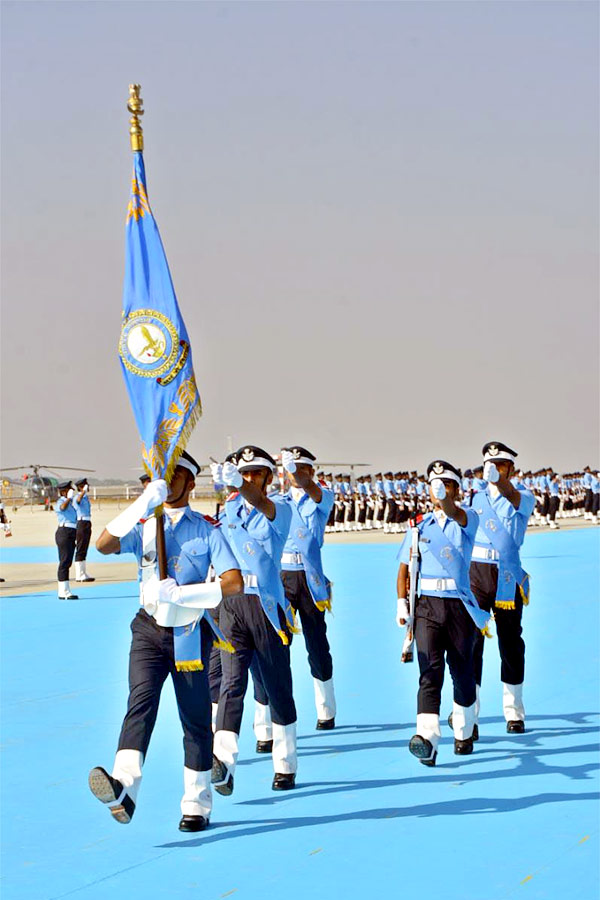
x=297, y=453
x=493, y=450
x=247, y=454
x=437, y=468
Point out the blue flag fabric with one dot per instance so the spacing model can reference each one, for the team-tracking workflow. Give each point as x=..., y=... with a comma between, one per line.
x=154, y=347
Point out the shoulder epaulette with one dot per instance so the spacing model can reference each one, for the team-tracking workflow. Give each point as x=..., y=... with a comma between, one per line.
x=211, y=520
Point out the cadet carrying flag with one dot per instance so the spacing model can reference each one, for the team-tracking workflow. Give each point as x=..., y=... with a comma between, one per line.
x=154, y=347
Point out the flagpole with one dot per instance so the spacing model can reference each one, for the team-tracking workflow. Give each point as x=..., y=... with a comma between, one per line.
x=135, y=105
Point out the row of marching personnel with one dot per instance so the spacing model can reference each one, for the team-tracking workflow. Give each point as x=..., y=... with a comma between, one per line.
x=388, y=500
x=233, y=591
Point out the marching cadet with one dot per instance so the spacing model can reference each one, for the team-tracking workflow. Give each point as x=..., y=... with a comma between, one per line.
x=595, y=498
x=447, y=617
x=348, y=503
x=370, y=500
x=554, y=501
x=83, y=533
x=256, y=525
x=329, y=484
x=170, y=636
x=589, y=494
x=389, y=519
x=306, y=586
x=65, y=538
x=497, y=578
x=379, y=511
x=361, y=504
x=339, y=504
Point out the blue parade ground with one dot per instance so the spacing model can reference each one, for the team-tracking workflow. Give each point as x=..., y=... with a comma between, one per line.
x=518, y=819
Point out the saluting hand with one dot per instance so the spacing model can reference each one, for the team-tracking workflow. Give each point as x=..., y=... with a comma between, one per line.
x=438, y=489
x=231, y=475
x=490, y=472
x=287, y=461
x=216, y=470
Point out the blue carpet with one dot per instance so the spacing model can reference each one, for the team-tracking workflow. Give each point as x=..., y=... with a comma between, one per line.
x=518, y=818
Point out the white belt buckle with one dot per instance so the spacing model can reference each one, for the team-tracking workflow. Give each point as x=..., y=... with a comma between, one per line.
x=440, y=584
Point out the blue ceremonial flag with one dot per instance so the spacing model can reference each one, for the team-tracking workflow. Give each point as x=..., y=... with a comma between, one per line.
x=154, y=347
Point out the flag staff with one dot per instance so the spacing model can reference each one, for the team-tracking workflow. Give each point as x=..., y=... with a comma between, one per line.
x=135, y=105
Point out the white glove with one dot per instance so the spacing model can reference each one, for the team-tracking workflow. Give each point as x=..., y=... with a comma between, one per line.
x=86, y=488
x=287, y=461
x=70, y=493
x=216, y=470
x=402, y=613
x=155, y=494
x=438, y=488
x=192, y=596
x=231, y=475
x=490, y=472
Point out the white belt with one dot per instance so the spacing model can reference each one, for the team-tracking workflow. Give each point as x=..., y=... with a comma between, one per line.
x=438, y=584
x=85, y=518
x=291, y=559
x=250, y=581
x=485, y=553
x=67, y=525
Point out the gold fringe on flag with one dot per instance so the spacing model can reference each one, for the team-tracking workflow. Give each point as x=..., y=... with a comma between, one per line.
x=504, y=604
x=323, y=605
x=189, y=665
x=227, y=646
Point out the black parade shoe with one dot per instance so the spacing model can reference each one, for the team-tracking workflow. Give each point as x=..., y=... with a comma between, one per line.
x=109, y=790
x=325, y=724
x=463, y=748
x=264, y=746
x=193, y=823
x=475, y=734
x=515, y=726
x=220, y=779
x=284, y=781
x=423, y=750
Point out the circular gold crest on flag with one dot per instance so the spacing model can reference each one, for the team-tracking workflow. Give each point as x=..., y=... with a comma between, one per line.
x=149, y=343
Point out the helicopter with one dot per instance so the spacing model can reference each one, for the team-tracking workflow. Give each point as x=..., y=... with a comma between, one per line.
x=37, y=488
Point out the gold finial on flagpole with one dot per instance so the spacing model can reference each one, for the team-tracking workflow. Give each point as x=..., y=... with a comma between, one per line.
x=135, y=105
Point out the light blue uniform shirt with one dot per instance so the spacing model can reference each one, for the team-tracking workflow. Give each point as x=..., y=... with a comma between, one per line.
x=514, y=520
x=462, y=538
x=192, y=545
x=388, y=488
x=66, y=516
x=315, y=516
x=595, y=485
x=84, y=508
x=271, y=535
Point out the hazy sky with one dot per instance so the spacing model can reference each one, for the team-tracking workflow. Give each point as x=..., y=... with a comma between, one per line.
x=381, y=221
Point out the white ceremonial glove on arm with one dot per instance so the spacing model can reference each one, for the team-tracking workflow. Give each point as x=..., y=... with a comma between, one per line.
x=192, y=596
x=70, y=493
x=403, y=616
x=287, y=461
x=439, y=488
x=490, y=472
x=231, y=475
x=155, y=494
x=216, y=470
